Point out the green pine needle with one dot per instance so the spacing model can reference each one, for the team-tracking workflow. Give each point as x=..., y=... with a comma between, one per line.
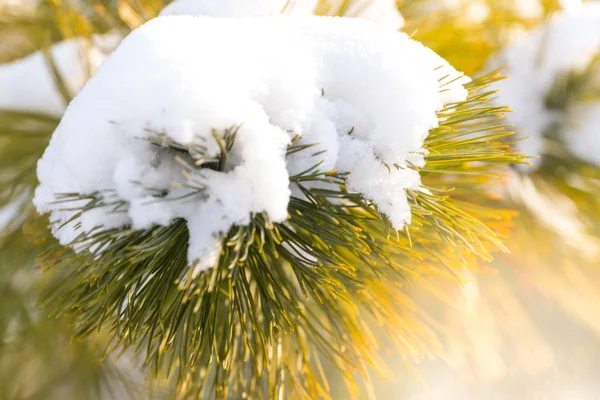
x=286, y=301
x=303, y=287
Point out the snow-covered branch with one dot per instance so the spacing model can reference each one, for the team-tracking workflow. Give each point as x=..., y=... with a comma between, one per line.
x=363, y=96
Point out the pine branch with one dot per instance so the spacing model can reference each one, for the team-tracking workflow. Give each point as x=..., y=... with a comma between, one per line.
x=565, y=173
x=284, y=299
x=302, y=287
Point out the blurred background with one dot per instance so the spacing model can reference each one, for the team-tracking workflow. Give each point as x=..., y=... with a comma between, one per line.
x=525, y=326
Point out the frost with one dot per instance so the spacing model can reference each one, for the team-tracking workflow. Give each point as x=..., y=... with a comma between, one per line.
x=364, y=94
x=29, y=85
x=382, y=11
x=566, y=43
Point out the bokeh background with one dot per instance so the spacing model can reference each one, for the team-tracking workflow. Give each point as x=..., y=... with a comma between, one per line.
x=524, y=326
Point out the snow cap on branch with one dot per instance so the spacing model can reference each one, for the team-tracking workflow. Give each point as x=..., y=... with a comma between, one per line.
x=365, y=95
x=566, y=43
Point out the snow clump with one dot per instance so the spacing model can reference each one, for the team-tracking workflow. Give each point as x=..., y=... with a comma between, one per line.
x=367, y=95
x=567, y=43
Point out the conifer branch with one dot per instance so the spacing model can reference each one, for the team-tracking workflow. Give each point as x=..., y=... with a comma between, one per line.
x=301, y=287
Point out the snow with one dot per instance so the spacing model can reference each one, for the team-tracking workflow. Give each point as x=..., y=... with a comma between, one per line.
x=28, y=84
x=582, y=132
x=384, y=12
x=366, y=94
x=568, y=41
x=225, y=8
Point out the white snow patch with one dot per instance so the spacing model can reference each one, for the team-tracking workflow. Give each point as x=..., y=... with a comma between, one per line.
x=225, y=8
x=275, y=78
x=582, y=132
x=568, y=41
